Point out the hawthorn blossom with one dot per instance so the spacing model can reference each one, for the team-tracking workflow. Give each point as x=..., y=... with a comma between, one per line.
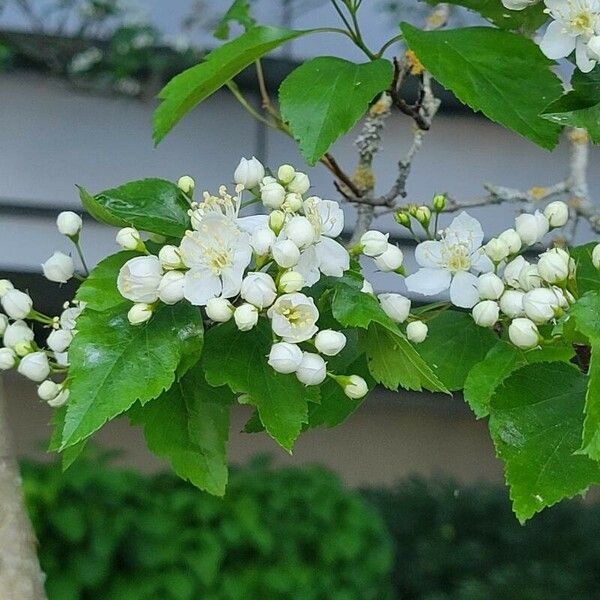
x=449, y=262
x=294, y=317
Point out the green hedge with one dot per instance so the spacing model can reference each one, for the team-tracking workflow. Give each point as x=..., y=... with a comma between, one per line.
x=290, y=533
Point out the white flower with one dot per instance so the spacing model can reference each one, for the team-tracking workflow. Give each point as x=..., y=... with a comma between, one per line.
x=5, y=286
x=300, y=230
x=330, y=342
x=34, y=366
x=59, y=268
x=219, y=310
x=186, y=184
x=16, y=304
x=48, y=390
x=69, y=223
x=312, y=369
x=326, y=255
x=541, y=305
x=416, y=331
x=532, y=228
x=557, y=213
x=448, y=263
x=512, y=271
x=374, y=243
x=575, y=23
x=68, y=317
x=355, y=387
x=285, y=357
x=511, y=303
x=60, y=400
x=523, y=333
x=139, y=279
x=294, y=317
x=249, y=173
x=59, y=340
x=518, y=4
x=299, y=184
x=170, y=258
x=272, y=194
x=596, y=256
x=17, y=333
x=593, y=48
x=3, y=323
x=486, y=313
x=290, y=282
x=217, y=256
x=171, y=287
x=7, y=359
x=529, y=278
x=511, y=238
x=395, y=306
x=292, y=203
x=286, y=173
x=553, y=265
x=497, y=250
x=139, y=313
x=259, y=289
x=366, y=287
x=129, y=238
x=490, y=286
x=262, y=239
x=245, y=316
x=285, y=253
x=390, y=260
x=276, y=221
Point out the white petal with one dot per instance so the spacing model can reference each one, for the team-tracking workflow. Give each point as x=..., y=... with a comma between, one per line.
x=333, y=257
x=249, y=224
x=201, y=286
x=464, y=229
x=584, y=63
x=232, y=281
x=481, y=263
x=428, y=281
x=429, y=254
x=556, y=43
x=463, y=290
x=308, y=266
x=331, y=216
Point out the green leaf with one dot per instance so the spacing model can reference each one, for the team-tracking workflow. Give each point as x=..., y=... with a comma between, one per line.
x=188, y=89
x=454, y=344
x=324, y=98
x=239, y=12
x=153, y=205
x=113, y=363
x=529, y=20
x=581, y=106
x=70, y=455
x=536, y=418
x=501, y=74
x=99, y=290
x=239, y=359
x=189, y=426
x=502, y=360
x=588, y=277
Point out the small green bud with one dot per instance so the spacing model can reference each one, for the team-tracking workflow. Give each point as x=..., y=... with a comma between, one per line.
x=439, y=202
x=402, y=219
x=423, y=215
x=412, y=210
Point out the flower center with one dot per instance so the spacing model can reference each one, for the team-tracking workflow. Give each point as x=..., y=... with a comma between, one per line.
x=582, y=23
x=296, y=316
x=458, y=258
x=219, y=260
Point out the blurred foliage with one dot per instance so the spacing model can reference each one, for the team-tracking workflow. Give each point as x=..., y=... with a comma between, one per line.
x=289, y=533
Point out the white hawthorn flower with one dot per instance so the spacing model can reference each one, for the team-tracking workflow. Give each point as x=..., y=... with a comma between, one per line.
x=286, y=173
x=390, y=260
x=59, y=268
x=557, y=213
x=330, y=342
x=17, y=333
x=69, y=223
x=512, y=240
x=290, y=282
x=48, y=390
x=490, y=286
x=219, y=310
x=395, y=306
x=373, y=243
x=61, y=399
x=292, y=203
x=325, y=256
x=3, y=323
x=172, y=287
x=139, y=279
x=8, y=359
x=355, y=387
x=486, y=313
x=416, y=332
x=523, y=333
x=285, y=253
x=532, y=227
x=497, y=250
x=529, y=278
x=140, y=313
x=512, y=271
x=294, y=317
x=575, y=23
x=285, y=357
x=186, y=184
x=300, y=230
x=276, y=221
x=596, y=256
x=448, y=263
x=16, y=304
x=511, y=303
x=300, y=184
x=59, y=340
x=262, y=239
x=553, y=265
x=249, y=173
x=259, y=289
x=5, y=286
x=312, y=369
x=129, y=238
x=245, y=316
x=68, y=317
x=217, y=256
x=541, y=305
x=272, y=194
x=170, y=258
x=34, y=366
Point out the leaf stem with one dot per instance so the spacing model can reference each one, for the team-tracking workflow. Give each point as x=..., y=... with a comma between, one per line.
x=389, y=43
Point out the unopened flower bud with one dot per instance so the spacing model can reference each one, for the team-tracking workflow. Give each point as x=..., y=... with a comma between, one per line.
x=139, y=279
x=553, y=265
x=532, y=228
x=541, y=305
x=59, y=340
x=219, y=310
x=249, y=173
x=390, y=260
x=285, y=253
x=171, y=287
x=24, y=348
x=330, y=342
x=512, y=240
x=140, y=313
x=262, y=239
x=512, y=271
x=290, y=282
x=557, y=213
x=59, y=268
x=486, y=313
x=61, y=399
x=439, y=202
x=529, y=278
x=292, y=202
x=595, y=257
x=374, y=243
x=5, y=286
x=16, y=333
x=300, y=230
x=48, y=390
x=34, y=366
x=285, y=357
x=423, y=215
x=395, y=306
x=416, y=331
x=511, y=303
x=523, y=333
x=300, y=184
x=170, y=258
x=16, y=304
x=3, y=324
x=7, y=359
x=69, y=223
x=312, y=369
x=259, y=289
x=186, y=184
x=246, y=317
x=129, y=239
x=276, y=221
x=496, y=250
x=272, y=195
x=286, y=173
x=490, y=286
x=354, y=386
x=402, y=218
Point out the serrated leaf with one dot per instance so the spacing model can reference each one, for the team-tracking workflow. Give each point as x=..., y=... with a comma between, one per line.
x=114, y=364
x=153, y=205
x=502, y=360
x=70, y=455
x=325, y=97
x=454, y=344
x=588, y=277
x=501, y=74
x=188, y=89
x=189, y=426
x=99, y=290
x=239, y=360
x=239, y=12
x=536, y=418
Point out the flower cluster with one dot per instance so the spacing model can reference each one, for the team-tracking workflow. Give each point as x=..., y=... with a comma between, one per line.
x=575, y=27
x=244, y=267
